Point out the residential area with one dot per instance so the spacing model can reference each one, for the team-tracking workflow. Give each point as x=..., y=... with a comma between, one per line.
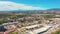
x=30, y=24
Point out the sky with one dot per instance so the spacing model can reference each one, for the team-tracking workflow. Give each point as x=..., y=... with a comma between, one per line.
x=46, y=4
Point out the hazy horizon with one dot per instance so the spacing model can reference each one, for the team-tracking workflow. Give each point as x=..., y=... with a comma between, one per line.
x=28, y=4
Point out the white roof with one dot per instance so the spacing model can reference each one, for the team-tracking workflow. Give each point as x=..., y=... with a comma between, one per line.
x=41, y=29
x=9, y=23
x=31, y=26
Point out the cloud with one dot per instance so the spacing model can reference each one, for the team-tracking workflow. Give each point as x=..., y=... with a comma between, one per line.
x=15, y=6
